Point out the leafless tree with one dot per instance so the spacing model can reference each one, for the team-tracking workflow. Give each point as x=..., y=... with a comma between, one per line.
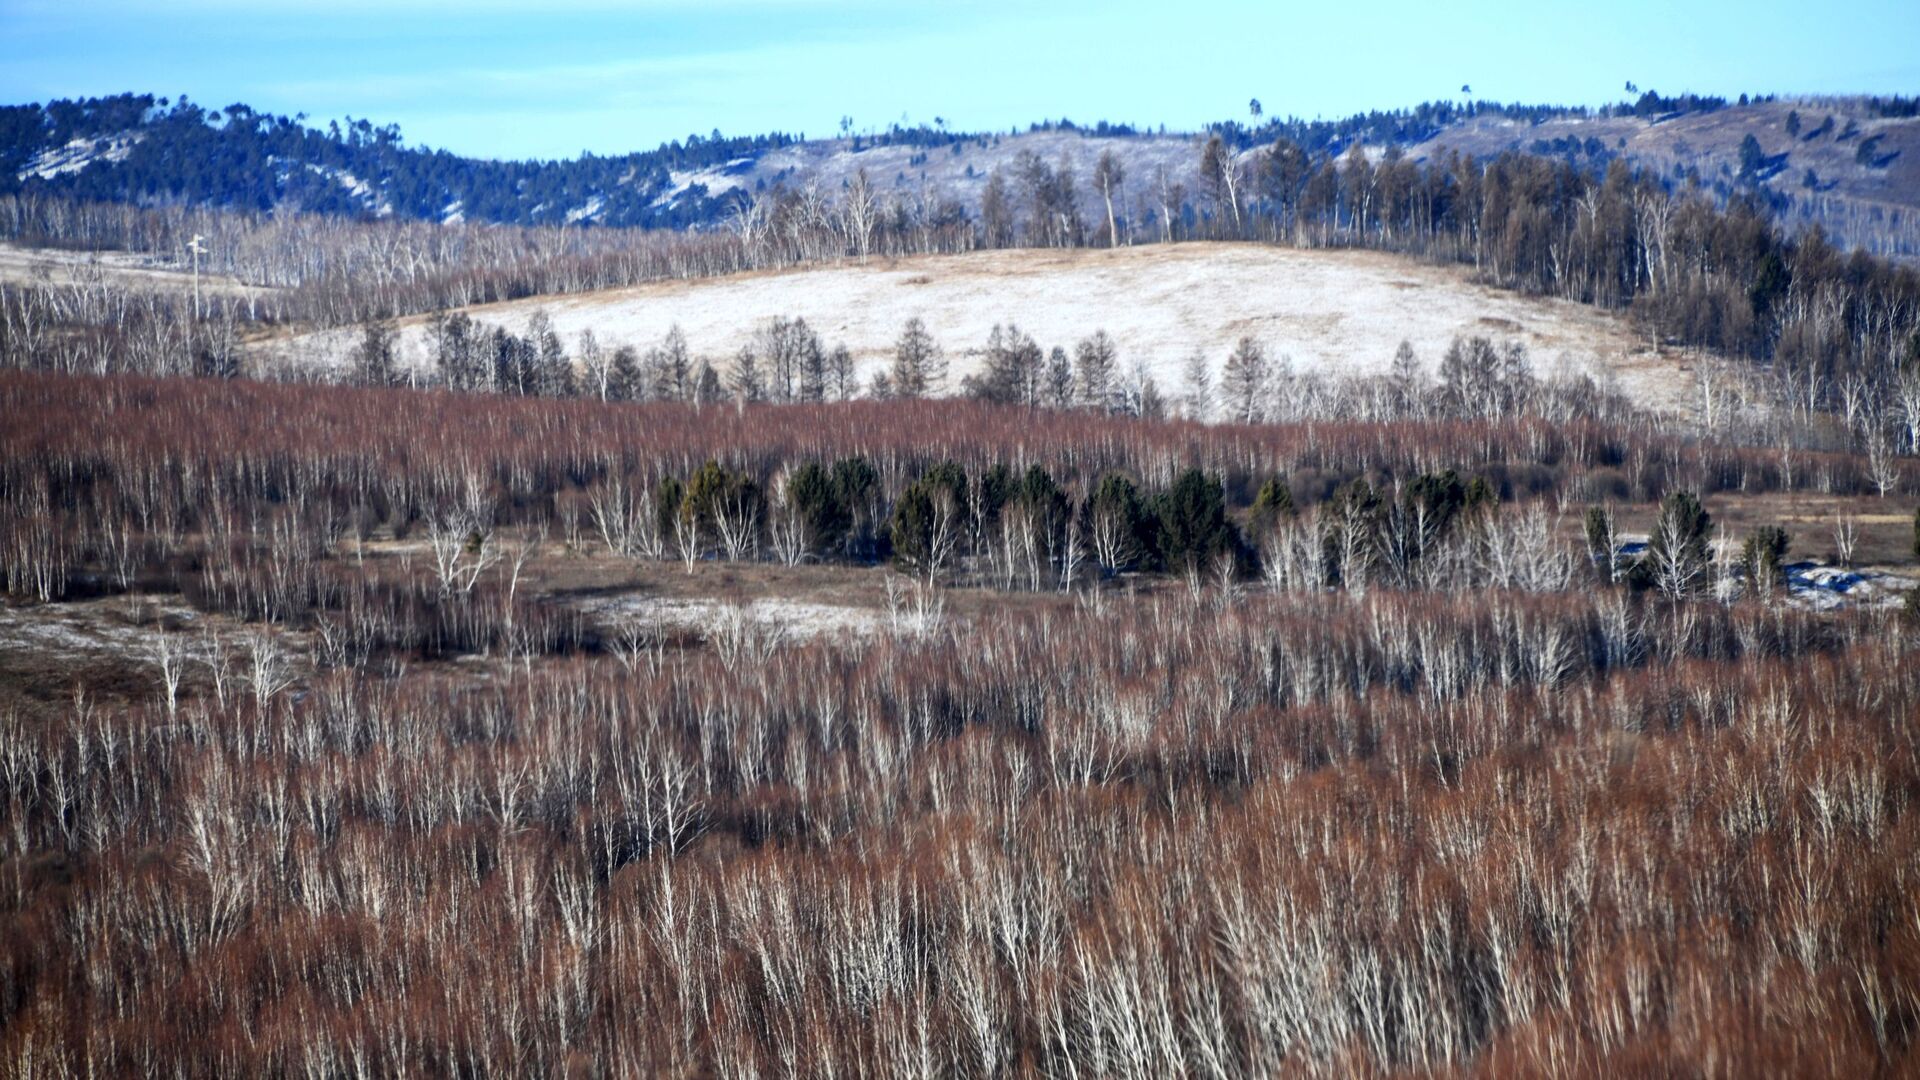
x=462, y=546
x=1883, y=465
x=860, y=210
x=1675, y=559
x=1846, y=537
x=170, y=658
x=1108, y=175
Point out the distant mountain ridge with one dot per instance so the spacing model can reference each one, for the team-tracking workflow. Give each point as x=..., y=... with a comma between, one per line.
x=1851, y=165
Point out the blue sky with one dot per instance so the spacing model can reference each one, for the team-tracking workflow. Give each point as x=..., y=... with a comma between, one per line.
x=499, y=79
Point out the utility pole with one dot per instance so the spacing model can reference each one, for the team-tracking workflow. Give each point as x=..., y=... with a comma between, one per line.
x=197, y=248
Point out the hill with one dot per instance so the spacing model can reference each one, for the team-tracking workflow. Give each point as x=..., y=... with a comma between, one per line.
x=1852, y=165
x=1329, y=311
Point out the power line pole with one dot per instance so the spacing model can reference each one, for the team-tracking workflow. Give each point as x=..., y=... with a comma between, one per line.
x=198, y=248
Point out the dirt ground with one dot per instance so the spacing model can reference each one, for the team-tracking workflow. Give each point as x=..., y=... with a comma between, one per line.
x=1883, y=528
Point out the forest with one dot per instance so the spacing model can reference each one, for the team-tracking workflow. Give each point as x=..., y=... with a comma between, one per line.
x=1165, y=747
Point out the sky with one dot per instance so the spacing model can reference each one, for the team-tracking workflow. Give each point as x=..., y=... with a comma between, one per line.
x=500, y=79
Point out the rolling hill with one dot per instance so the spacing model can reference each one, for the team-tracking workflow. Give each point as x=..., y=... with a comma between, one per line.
x=1328, y=311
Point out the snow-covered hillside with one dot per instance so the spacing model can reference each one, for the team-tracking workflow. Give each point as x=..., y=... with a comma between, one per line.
x=1342, y=311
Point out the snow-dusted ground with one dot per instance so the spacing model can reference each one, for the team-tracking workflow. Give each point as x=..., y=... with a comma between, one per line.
x=1825, y=588
x=77, y=630
x=793, y=620
x=1335, y=311
x=121, y=268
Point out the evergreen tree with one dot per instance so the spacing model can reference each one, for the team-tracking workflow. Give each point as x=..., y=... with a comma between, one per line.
x=917, y=369
x=1119, y=524
x=1407, y=378
x=1763, y=558
x=624, y=381
x=1059, y=379
x=840, y=374
x=929, y=520
x=745, y=379
x=1752, y=158
x=672, y=368
x=553, y=372
x=856, y=484
x=813, y=370
x=817, y=500
x=1272, y=504
x=1197, y=386
x=1602, y=541
x=706, y=385
x=1243, y=383
x=1093, y=363
x=1193, y=528
x=1352, y=539
x=454, y=351
x=373, y=358
x=1677, y=549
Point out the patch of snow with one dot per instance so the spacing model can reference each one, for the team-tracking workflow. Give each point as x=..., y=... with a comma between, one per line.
x=793, y=619
x=356, y=187
x=717, y=179
x=591, y=209
x=1827, y=588
x=80, y=153
x=87, y=628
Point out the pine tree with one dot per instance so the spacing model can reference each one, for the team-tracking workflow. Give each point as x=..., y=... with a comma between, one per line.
x=1119, y=524
x=672, y=368
x=1059, y=379
x=1093, y=363
x=1193, y=526
x=1197, y=387
x=817, y=500
x=917, y=367
x=373, y=359
x=454, y=350
x=1272, y=504
x=707, y=387
x=1676, y=556
x=1243, y=382
x=624, y=381
x=1407, y=378
x=553, y=372
x=745, y=379
x=841, y=380
x=1763, y=558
